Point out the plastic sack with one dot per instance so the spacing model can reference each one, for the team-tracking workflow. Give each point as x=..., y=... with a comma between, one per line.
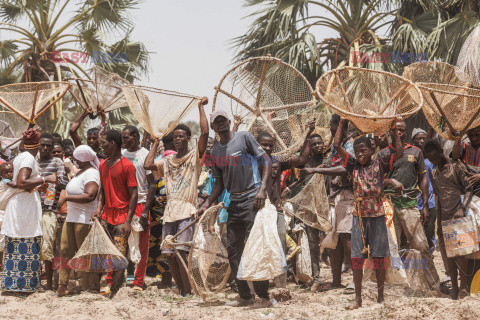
x=6, y=193
x=134, y=241
x=2, y=236
x=304, y=261
x=474, y=211
x=263, y=257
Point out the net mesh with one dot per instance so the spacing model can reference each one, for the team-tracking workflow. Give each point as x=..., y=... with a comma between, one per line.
x=451, y=110
x=104, y=90
x=311, y=204
x=468, y=61
x=433, y=72
x=268, y=95
x=158, y=111
x=369, y=98
x=31, y=100
x=208, y=266
x=98, y=253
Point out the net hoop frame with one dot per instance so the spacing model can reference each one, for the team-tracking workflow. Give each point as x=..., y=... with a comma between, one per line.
x=82, y=93
x=190, y=254
x=255, y=112
x=339, y=110
x=160, y=91
x=33, y=117
x=424, y=86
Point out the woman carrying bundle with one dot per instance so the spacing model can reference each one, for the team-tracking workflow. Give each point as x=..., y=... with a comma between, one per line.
x=81, y=199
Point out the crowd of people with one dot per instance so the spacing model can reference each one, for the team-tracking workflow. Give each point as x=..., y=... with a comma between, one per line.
x=55, y=188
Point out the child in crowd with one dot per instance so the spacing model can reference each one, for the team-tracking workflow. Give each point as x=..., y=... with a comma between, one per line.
x=450, y=183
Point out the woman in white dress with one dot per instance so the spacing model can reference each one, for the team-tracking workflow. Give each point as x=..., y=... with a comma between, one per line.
x=22, y=224
x=81, y=199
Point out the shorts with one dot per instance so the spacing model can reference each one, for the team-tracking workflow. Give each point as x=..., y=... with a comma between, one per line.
x=172, y=228
x=49, y=229
x=375, y=235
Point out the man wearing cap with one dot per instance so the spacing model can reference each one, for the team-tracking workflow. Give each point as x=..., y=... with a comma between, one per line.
x=419, y=137
x=234, y=163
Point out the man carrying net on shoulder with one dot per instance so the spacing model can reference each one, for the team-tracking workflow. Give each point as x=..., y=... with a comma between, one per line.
x=235, y=168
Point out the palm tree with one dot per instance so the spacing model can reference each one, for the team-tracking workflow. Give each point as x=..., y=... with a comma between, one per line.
x=32, y=52
x=285, y=29
x=63, y=38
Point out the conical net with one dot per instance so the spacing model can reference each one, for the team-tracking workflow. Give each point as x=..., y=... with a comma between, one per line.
x=451, y=110
x=433, y=72
x=208, y=267
x=311, y=204
x=268, y=95
x=104, y=90
x=468, y=61
x=369, y=98
x=158, y=111
x=98, y=253
x=31, y=100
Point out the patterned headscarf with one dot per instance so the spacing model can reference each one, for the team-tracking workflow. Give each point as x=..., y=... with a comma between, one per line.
x=31, y=139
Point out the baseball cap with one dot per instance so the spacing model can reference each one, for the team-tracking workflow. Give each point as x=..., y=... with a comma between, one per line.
x=218, y=113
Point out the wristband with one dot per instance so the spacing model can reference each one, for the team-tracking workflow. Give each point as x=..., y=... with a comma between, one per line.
x=288, y=189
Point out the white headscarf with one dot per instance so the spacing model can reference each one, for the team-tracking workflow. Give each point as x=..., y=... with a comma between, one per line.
x=84, y=153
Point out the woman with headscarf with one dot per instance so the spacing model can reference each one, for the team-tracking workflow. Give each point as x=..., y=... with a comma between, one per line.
x=22, y=224
x=81, y=199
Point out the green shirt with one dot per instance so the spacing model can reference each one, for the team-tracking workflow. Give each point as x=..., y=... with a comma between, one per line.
x=405, y=171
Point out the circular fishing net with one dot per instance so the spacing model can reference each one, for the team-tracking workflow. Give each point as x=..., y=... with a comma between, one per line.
x=451, y=110
x=370, y=99
x=468, y=61
x=98, y=253
x=268, y=94
x=31, y=100
x=433, y=72
x=208, y=266
x=158, y=111
x=104, y=90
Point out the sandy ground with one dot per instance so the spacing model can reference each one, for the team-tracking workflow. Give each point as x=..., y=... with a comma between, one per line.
x=155, y=303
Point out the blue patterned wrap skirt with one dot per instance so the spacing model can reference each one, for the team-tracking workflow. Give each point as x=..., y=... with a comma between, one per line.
x=21, y=264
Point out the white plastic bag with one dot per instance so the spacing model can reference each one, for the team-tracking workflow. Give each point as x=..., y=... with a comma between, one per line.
x=304, y=261
x=263, y=257
x=2, y=236
x=331, y=238
x=134, y=241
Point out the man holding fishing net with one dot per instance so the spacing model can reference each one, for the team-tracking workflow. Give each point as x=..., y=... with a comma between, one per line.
x=180, y=172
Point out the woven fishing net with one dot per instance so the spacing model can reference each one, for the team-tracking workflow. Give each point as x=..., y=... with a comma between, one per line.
x=208, y=267
x=104, y=90
x=268, y=95
x=468, y=61
x=369, y=98
x=451, y=110
x=31, y=100
x=158, y=111
x=433, y=72
x=311, y=204
x=98, y=253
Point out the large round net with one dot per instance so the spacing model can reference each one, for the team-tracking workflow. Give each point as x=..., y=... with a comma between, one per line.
x=104, y=90
x=433, y=72
x=208, y=267
x=31, y=100
x=468, y=61
x=158, y=111
x=311, y=204
x=370, y=99
x=268, y=95
x=451, y=110
x=98, y=253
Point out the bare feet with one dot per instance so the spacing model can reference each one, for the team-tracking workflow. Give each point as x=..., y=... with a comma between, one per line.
x=355, y=305
x=62, y=291
x=380, y=299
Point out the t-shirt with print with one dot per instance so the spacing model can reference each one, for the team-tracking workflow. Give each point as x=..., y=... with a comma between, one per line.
x=181, y=182
x=49, y=167
x=405, y=171
x=138, y=160
x=368, y=185
x=115, y=183
x=450, y=184
x=237, y=163
x=82, y=212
